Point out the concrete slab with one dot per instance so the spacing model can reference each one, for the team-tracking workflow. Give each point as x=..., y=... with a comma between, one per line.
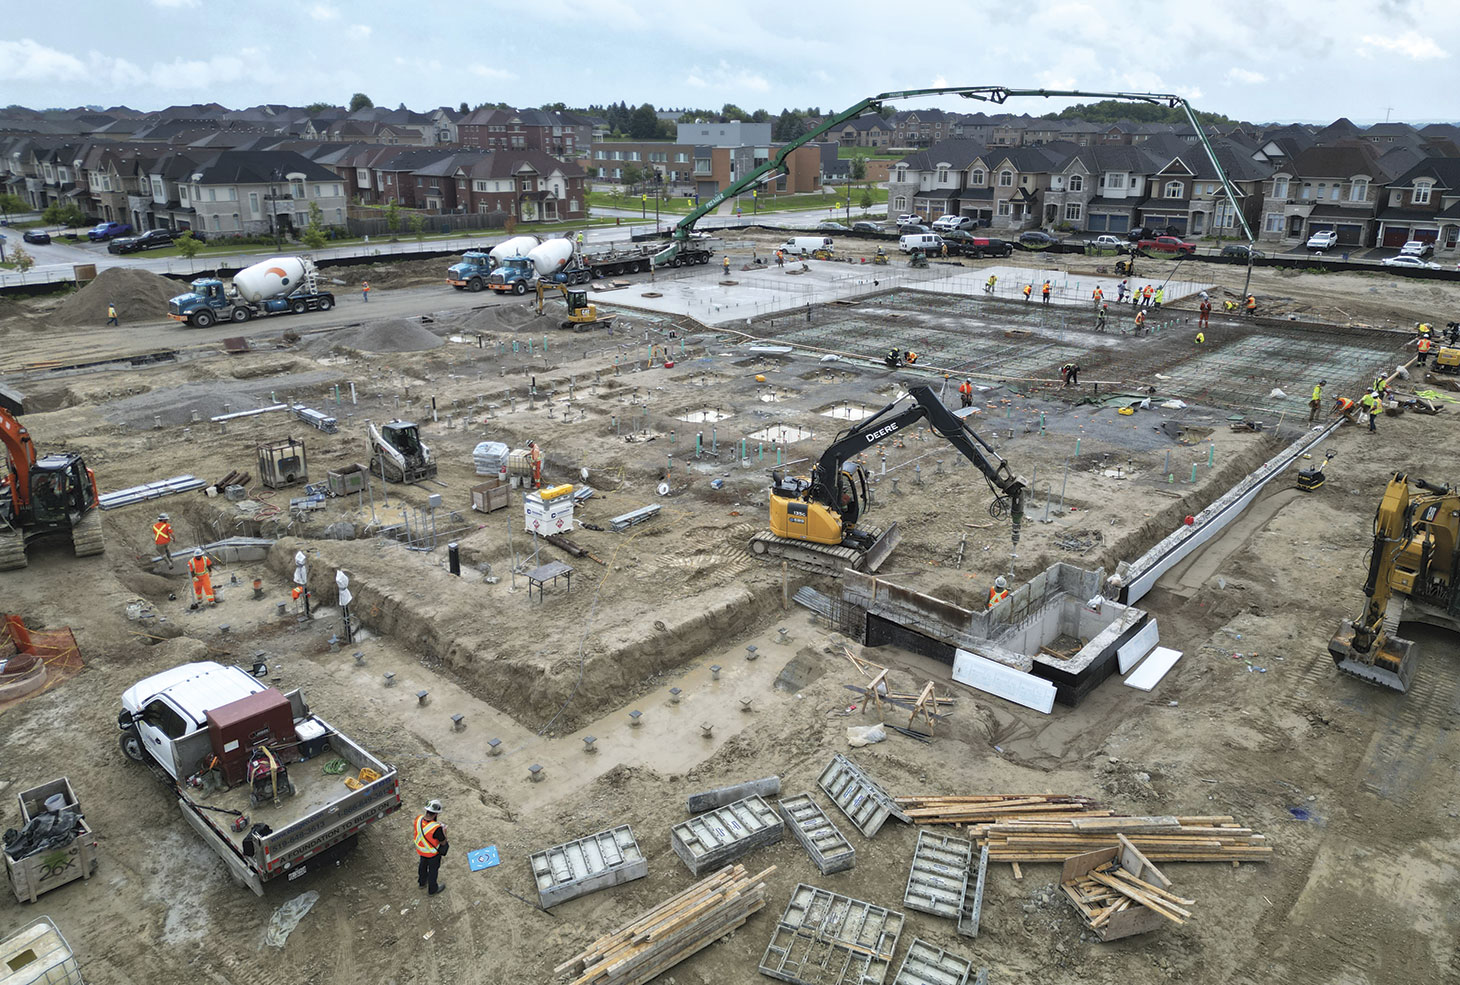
x=981, y=674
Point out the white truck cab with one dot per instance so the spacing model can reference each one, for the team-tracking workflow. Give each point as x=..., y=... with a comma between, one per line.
x=173, y=705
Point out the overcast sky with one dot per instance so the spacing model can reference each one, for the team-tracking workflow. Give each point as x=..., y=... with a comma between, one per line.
x=1258, y=60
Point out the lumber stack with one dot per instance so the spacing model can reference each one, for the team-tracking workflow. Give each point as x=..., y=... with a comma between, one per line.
x=658, y=939
x=1207, y=838
x=933, y=809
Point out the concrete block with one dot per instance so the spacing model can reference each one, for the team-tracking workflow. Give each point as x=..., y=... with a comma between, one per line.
x=576, y=868
x=713, y=840
x=823, y=841
x=769, y=786
x=1038, y=585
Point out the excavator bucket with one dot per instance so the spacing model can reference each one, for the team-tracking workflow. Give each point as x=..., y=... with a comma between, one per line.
x=1389, y=663
x=881, y=547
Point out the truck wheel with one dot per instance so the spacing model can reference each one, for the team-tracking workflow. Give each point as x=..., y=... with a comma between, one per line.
x=203, y=319
x=475, y=285
x=239, y=314
x=131, y=744
x=297, y=306
x=520, y=287
x=326, y=304
x=597, y=271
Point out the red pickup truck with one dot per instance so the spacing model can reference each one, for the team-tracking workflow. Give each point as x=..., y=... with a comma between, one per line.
x=1166, y=244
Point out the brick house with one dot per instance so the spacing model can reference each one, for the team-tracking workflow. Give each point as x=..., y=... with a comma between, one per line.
x=529, y=185
x=698, y=169
x=1099, y=189
x=1324, y=187
x=1423, y=204
x=528, y=129
x=868, y=130
x=1002, y=186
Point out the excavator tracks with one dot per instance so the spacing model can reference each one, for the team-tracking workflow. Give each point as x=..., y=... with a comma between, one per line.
x=825, y=559
x=12, y=550
x=87, y=538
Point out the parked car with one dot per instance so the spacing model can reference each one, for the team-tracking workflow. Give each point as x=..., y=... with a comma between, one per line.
x=152, y=239
x=1147, y=232
x=910, y=228
x=1106, y=242
x=909, y=218
x=867, y=227
x=1167, y=244
x=962, y=243
x=1241, y=251
x=1410, y=261
x=833, y=227
x=1417, y=248
x=929, y=243
x=108, y=230
x=1324, y=239
x=1036, y=239
x=37, y=236
x=948, y=223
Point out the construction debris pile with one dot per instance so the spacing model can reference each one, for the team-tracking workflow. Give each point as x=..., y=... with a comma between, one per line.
x=1119, y=892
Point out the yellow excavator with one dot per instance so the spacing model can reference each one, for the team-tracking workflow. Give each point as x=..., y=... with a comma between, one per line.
x=582, y=316
x=1414, y=560
x=813, y=520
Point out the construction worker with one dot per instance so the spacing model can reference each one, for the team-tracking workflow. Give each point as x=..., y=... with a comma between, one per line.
x=1229, y=306
x=1100, y=317
x=1371, y=405
x=1120, y=293
x=1316, y=403
x=1251, y=306
x=1160, y=295
x=365, y=290
x=111, y=314
x=780, y=258
x=1071, y=373
x=162, y=536
x=725, y=265
x=1140, y=322
x=534, y=453
x=1206, y=311
x=1201, y=338
x=202, y=582
x=1423, y=328
x=1344, y=407
x=999, y=592
x=1381, y=387
x=965, y=393
x=1147, y=293
x=894, y=357
x=945, y=251
x=431, y=846
x=909, y=357
x=1098, y=295
x=1044, y=292
x=580, y=241
x=988, y=286
x=1424, y=348
x=1028, y=290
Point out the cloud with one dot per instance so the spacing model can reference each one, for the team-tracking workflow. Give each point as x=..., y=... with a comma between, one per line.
x=324, y=12
x=1410, y=44
x=358, y=32
x=722, y=77
x=1244, y=76
x=27, y=60
x=488, y=72
x=174, y=4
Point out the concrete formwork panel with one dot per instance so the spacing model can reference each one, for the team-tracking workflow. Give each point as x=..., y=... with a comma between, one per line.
x=927, y=964
x=576, y=868
x=718, y=837
x=827, y=939
x=938, y=879
x=858, y=796
x=823, y=841
x=972, y=911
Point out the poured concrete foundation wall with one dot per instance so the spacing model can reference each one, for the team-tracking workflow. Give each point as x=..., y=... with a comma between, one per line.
x=1106, y=629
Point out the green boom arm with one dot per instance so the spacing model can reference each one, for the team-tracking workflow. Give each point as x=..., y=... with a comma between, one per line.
x=992, y=94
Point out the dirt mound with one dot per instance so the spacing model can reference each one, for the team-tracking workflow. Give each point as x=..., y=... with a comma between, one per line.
x=138, y=294
x=391, y=335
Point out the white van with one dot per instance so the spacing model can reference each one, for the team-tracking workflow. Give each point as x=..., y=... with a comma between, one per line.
x=927, y=242
x=804, y=245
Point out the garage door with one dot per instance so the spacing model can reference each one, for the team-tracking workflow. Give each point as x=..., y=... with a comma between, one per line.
x=1350, y=235
x=1395, y=238
x=1097, y=223
x=1120, y=224
x=1425, y=235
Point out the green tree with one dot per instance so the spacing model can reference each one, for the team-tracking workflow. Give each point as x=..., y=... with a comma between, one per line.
x=858, y=167
x=866, y=201
x=463, y=108
x=63, y=215
x=314, y=235
x=392, y=219
x=760, y=116
x=13, y=203
x=315, y=108
x=418, y=226
x=188, y=245
x=644, y=123
x=23, y=261
x=731, y=113
x=360, y=101
x=633, y=175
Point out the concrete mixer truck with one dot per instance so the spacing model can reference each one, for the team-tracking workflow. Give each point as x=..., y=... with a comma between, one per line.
x=475, y=267
x=556, y=261
x=278, y=285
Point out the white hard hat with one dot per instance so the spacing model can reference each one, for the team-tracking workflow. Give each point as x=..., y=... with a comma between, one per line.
x=162, y=516
x=433, y=807
x=1001, y=582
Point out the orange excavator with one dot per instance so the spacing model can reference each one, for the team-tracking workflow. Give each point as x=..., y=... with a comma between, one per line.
x=43, y=497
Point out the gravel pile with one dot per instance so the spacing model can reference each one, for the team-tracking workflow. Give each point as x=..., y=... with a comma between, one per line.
x=391, y=335
x=139, y=295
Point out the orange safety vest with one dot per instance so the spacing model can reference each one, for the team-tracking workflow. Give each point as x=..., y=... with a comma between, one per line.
x=1345, y=405
x=198, y=566
x=1251, y=302
x=966, y=389
x=1424, y=345
x=162, y=534
x=1027, y=289
x=1140, y=317
x=425, y=830
x=1098, y=294
x=1045, y=288
x=996, y=596
x=1149, y=290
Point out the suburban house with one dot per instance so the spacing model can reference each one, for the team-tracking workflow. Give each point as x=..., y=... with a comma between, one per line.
x=254, y=193
x=528, y=129
x=1424, y=204
x=1324, y=187
x=704, y=169
x=868, y=130
x=529, y=185
x=1185, y=191
x=1002, y=186
x=1099, y=188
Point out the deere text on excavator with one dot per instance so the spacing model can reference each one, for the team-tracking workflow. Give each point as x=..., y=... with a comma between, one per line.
x=813, y=521
x=1414, y=558
x=44, y=496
